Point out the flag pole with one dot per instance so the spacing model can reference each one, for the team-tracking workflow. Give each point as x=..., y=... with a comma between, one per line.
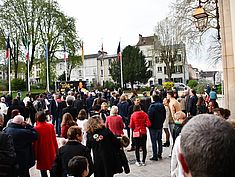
x=65, y=69
x=48, y=84
x=9, y=74
x=28, y=78
x=121, y=70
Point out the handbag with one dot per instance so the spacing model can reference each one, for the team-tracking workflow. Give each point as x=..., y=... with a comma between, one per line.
x=136, y=134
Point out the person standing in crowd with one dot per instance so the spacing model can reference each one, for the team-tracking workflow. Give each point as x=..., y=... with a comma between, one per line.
x=105, y=147
x=123, y=107
x=157, y=116
x=179, y=118
x=72, y=148
x=113, y=97
x=213, y=95
x=30, y=112
x=99, y=100
x=201, y=105
x=207, y=147
x=1, y=121
x=81, y=121
x=54, y=112
x=182, y=101
x=174, y=104
x=78, y=166
x=138, y=123
x=15, y=105
x=167, y=123
x=89, y=102
x=46, y=146
x=23, y=136
x=67, y=121
x=8, y=162
x=26, y=99
x=61, y=105
x=114, y=122
x=70, y=109
x=145, y=101
x=192, y=106
x=3, y=107
x=78, y=102
x=104, y=112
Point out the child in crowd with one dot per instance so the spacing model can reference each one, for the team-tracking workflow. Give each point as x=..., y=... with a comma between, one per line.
x=78, y=167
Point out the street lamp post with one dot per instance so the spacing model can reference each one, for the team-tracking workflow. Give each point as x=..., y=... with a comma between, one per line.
x=202, y=16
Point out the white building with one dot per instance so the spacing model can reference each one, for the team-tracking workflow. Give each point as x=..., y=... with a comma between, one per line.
x=149, y=46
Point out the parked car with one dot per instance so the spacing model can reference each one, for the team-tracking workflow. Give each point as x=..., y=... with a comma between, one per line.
x=181, y=86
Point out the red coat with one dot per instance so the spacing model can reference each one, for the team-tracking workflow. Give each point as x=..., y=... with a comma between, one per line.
x=139, y=122
x=46, y=145
x=115, y=124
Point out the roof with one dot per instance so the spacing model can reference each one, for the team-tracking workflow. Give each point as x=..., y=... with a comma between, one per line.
x=149, y=40
x=205, y=74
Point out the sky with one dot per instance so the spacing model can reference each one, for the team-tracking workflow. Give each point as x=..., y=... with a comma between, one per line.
x=111, y=21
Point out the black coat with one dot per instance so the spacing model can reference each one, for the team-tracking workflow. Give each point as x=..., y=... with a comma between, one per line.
x=7, y=156
x=193, y=105
x=54, y=109
x=157, y=115
x=22, y=139
x=67, y=152
x=106, y=153
x=73, y=111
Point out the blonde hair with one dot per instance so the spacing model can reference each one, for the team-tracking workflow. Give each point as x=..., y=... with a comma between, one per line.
x=180, y=115
x=114, y=111
x=93, y=124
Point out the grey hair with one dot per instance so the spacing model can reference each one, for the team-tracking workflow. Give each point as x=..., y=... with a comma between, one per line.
x=207, y=144
x=114, y=111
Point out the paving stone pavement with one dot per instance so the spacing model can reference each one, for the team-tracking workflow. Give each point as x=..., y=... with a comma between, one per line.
x=159, y=168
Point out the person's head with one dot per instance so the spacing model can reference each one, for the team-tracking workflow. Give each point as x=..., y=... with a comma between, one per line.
x=193, y=92
x=14, y=113
x=200, y=101
x=157, y=98
x=15, y=101
x=3, y=99
x=97, y=108
x=170, y=94
x=1, y=119
x=69, y=100
x=207, y=147
x=136, y=108
x=41, y=116
x=144, y=93
x=78, y=166
x=94, y=123
x=166, y=101
x=136, y=101
x=180, y=116
x=82, y=114
x=67, y=119
x=19, y=119
x=218, y=112
x=114, y=111
x=104, y=106
x=74, y=133
x=123, y=97
x=227, y=113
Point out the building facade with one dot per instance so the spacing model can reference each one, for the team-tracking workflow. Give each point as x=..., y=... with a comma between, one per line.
x=150, y=47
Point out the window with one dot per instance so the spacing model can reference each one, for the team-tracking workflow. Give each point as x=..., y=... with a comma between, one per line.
x=79, y=73
x=110, y=61
x=101, y=73
x=150, y=64
x=159, y=69
x=180, y=69
x=101, y=62
x=61, y=66
x=156, y=60
x=164, y=69
x=179, y=57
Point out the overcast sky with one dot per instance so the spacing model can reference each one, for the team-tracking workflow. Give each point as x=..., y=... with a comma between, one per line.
x=109, y=21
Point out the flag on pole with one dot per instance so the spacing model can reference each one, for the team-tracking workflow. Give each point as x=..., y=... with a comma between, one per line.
x=102, y=50
x=82, y=53
x=46, y=51
x=119, y=51
x=27, y=50
x=8, y=48
x=65, y=53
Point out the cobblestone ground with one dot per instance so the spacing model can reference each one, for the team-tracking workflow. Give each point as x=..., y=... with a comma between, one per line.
x=159, y=168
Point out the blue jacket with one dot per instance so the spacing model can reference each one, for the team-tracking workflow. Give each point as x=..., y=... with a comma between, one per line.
x=213, y=95
x=123, y=108
x=157, y=115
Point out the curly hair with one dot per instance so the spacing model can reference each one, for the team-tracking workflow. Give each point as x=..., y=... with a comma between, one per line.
x=93, y=124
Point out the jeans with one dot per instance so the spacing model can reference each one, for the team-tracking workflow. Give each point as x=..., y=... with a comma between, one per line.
x=156, y=138
x=44, y=173
x=171, y=127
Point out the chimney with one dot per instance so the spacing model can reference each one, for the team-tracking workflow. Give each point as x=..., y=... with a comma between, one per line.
x=140, y=38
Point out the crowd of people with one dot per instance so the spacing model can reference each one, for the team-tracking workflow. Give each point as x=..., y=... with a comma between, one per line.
x=92, y=125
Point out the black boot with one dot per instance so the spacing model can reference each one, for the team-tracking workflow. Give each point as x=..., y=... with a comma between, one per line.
x=166, y=144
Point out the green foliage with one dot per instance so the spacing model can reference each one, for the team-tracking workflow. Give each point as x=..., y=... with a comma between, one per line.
x=115, y=71
x=18, y=84
x=219, y=88
x=200, y=88
x=110, y=85
x=3, y=85
x=168, y=85
x=192, y=84
x=143, y=89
